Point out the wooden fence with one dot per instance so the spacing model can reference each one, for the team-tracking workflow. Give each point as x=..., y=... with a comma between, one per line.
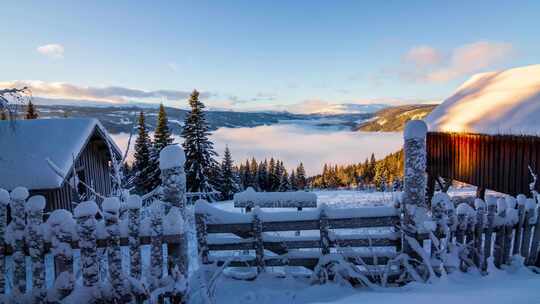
x=29, y=234
x=259, y=233
x=500, y=229
x=496, y=162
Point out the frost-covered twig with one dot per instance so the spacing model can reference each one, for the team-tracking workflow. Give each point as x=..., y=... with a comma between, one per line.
x=61, y=174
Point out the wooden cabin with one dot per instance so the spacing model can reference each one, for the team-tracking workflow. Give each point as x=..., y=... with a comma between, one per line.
x=49, y=156
x=487, y=134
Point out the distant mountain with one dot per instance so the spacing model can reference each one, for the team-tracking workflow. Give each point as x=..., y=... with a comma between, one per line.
x=351, y=108
x=121, y=118
x=394, y=118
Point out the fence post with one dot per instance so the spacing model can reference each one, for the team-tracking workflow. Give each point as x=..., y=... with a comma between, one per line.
x=479, y=254
x=85, y=213
x=156, y=251
x=134, y=204
x=520, y=228
x=414, y=179
x=63, y=227
x=499, y=236
x=36, y=245
x=257, y=239
x=324, y=230
x=202, y=243
x=530, y=206
x=511, y=221
x=492, y=209
x=463, y=215
x=4, y=201
x=111, y=207
x=531, y=260
x=18, y=197
x=173, y=183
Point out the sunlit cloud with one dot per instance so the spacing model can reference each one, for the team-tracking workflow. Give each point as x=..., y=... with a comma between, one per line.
x=52, y=50
x=114, y=94
x=427, y=64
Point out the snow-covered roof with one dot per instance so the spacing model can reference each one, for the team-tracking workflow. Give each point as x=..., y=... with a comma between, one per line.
x=504, y=102
x=27, y=144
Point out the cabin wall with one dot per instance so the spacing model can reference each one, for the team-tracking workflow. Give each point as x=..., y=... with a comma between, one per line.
x=495, y=162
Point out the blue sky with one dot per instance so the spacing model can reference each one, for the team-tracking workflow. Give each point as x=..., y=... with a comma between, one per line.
x=295, y=55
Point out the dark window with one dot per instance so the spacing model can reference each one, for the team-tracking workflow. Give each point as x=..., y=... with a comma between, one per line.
x=81, y=189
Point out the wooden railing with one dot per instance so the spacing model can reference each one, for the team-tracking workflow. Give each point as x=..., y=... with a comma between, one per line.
x=258, y=232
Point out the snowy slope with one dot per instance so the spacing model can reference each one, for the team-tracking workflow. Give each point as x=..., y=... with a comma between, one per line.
x=504, y=102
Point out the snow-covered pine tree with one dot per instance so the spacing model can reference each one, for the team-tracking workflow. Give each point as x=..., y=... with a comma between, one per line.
x=31, y=112
x=284, y=183
x=198, y=148
x=293, y=181
x=141, y=164
x=253, y=166
x=273, y=181
x=262, y=176
x=301, y=180
x=162, y=138
x=228, y=186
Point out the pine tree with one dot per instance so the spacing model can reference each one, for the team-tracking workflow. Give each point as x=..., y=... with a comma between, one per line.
x=199, y=150
x=3, y=115
x=31, y=112
x=262, y=176
x=162, y=138
x=284, y=183
x=253, y=167
x=228, y=186
x=141, y=164
x=301, y=180
x=273, y=182
x=293, y=181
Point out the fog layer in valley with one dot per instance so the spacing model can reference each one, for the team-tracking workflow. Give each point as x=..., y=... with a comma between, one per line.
x=294, y=143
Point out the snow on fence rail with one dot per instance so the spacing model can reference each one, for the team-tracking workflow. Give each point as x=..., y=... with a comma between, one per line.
x=250, y=198
x=256, y=231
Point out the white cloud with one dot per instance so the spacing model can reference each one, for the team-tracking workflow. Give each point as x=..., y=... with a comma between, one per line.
x=427, y=64
x=115, y=94
x=52, y=50
x=471, y=58
x=423, y=56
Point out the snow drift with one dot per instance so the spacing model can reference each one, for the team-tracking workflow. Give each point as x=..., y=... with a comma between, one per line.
x=503, y=102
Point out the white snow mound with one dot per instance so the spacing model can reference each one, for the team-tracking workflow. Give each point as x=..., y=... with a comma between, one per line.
x=88, y=208
x=35, y=203
x=171, y=156
x=19, y=193
x=4, y=197
x=503, y=102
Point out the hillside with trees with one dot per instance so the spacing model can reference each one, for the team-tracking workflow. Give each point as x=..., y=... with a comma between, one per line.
x=393, y=119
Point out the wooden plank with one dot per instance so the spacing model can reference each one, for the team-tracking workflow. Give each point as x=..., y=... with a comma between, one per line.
x=309, y=262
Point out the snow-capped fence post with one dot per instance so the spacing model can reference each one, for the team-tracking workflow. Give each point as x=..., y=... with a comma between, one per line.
x=414, y=180
x=18, y=197
x=36, y=245
x=324, y=230
x=134, y=204
x=479, y=256
x=258, y=239
x=510, y=222
x=491, y=214
x=85, y=213
x=499, y=235
x=527, y=231
x=156, y=251
x=521, y=200
x=202, y=234
x=62, y=226
x=111, y=207
x=532, y=259
x=4, y=201
x=173, y=184
x=462, y=214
